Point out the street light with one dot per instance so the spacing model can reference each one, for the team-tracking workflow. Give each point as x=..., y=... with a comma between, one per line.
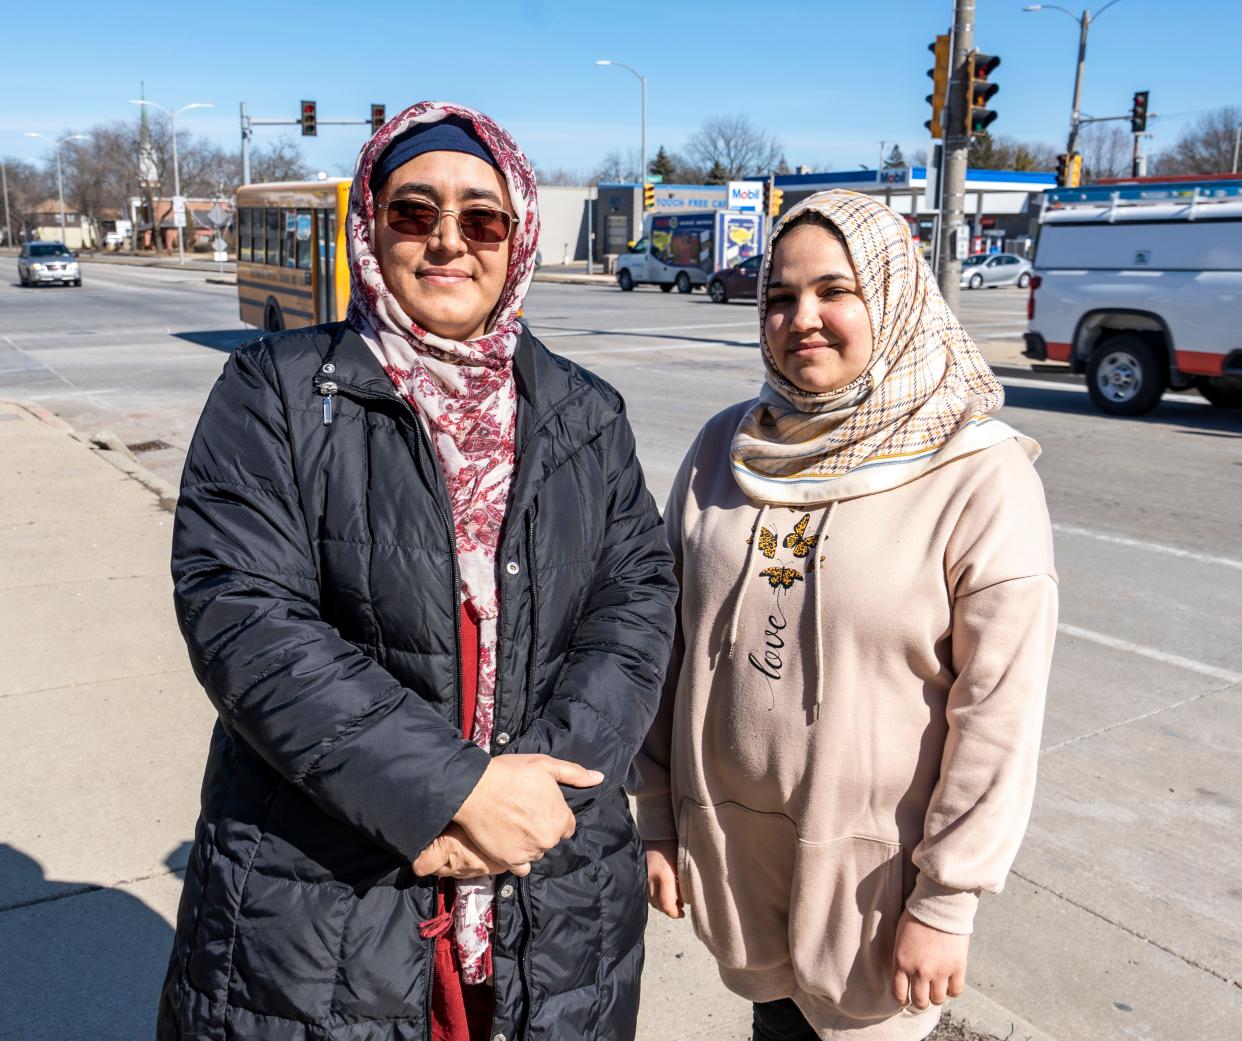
x=643, y=80
x=172, y=115
x=60, y=184
x=1084, y=22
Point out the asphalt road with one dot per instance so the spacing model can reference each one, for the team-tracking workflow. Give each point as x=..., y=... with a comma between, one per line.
x=1123, y=917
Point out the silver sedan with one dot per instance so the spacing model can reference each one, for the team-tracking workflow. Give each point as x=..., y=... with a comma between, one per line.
x=995, y=269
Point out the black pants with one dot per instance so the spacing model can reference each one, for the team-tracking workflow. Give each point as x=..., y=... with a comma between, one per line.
x=781, y=1021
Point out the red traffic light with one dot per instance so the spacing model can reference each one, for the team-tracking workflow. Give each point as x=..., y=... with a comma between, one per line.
x=310, y=120
x=377, y=117
x=1138, y=112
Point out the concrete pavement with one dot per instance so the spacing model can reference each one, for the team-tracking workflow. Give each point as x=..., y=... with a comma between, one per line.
x=104, y=733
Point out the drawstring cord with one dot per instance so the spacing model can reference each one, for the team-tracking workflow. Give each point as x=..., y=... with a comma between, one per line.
x=741, y=593
x=819, y=622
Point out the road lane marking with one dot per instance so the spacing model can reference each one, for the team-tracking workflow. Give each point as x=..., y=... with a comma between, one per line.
x=1152, y=547
x=652, y=329
x=1080, y=388
x=1154, y=653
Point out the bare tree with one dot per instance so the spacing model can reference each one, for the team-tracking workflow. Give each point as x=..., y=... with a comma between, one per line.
x=28, y=186
x=618, y=168
x=734, y=147
x=279, y=160
x=560, y=177
x=1206, y=146
x=1107, y=150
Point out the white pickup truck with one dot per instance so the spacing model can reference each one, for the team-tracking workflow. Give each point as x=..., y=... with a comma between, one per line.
x=1139, y=285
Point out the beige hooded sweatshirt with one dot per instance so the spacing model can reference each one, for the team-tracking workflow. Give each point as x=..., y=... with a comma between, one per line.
x=804, y=828
x=852, y=715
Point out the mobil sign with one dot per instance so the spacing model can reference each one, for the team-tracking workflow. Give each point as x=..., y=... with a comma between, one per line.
x=746, y=196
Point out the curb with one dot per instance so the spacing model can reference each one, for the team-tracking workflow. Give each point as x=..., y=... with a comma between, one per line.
x=108, y=447
x=576, y=280
x=985, y=1016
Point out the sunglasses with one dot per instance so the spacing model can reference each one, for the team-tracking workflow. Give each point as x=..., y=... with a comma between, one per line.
x=480, y=224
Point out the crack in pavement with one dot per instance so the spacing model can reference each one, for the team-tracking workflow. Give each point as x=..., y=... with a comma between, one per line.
x=1185, y=959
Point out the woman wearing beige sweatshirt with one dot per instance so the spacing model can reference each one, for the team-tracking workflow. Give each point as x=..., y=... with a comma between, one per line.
x=845, y=754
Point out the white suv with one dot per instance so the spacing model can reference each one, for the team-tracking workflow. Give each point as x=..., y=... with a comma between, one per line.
x=1139, y=285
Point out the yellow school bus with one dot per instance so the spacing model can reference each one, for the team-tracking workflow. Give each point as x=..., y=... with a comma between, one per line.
x=291, y=260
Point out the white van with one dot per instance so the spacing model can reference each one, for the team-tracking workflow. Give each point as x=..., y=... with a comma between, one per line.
x=1139, y=285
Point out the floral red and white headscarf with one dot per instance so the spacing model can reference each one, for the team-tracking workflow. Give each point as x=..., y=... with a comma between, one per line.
x=465, y=392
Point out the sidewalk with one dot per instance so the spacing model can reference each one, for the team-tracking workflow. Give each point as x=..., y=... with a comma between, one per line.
x=105, y=733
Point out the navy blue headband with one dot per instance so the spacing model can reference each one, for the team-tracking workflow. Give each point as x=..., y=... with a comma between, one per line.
x=451, y=134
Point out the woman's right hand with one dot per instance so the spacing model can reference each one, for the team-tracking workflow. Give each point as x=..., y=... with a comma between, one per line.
x=663, y=886
x=517, y=813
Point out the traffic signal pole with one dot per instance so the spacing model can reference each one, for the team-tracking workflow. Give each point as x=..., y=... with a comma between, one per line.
x=1084, y=24
x=956, y=147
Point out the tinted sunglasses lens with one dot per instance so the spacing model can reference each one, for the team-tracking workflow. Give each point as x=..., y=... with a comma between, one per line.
x=483, y=225
x=411, y=218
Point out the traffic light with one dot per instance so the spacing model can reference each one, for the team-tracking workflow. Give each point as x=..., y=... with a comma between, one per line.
x=648, y=196
x=310, y=125
x=377, y=117
x=940, y=84
x=1069, y=170
x=979, y=91
x=1138, y=112
x=776, y=202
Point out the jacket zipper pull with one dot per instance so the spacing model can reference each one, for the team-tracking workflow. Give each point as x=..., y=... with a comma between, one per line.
x=327, y=389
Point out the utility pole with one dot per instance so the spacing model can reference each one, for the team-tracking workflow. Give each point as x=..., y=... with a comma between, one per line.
x=1237, y=147
x=246, y=133
x=1084, y=24
x=956, y=149
x=8, y=226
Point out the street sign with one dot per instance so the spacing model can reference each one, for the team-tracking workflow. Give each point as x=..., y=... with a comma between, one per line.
x=178, y=204
x=220, y=256
x=218, y=215
x=179, y=219
x=745, y=196
x=218, y=244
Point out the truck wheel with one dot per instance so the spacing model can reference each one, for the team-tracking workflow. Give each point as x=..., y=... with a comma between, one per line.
x=625, y=280
x=718, y=293
x=666, y=287
x=683, y=283
x=1125, y=377
x=1223, y=392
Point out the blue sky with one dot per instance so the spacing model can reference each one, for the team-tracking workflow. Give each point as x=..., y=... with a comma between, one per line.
x=830, y=79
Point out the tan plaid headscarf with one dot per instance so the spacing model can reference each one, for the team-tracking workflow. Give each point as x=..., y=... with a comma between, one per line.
x=926, y=397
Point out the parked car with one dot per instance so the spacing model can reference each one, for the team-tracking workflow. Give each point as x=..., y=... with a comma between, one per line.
x=41, y=262
x=995, y=269
x=1137, y=286
x=739, y=282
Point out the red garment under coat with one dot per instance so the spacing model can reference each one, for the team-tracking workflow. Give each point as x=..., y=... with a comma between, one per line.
x=459, y=1011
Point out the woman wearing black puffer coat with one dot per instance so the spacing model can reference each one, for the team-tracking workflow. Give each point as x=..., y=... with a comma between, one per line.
x=425, y=587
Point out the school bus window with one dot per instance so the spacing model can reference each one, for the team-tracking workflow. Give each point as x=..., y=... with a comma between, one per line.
x=304, y=242
x=288, y=247
x=273, y=236
x=256, y=235
x=243, y=234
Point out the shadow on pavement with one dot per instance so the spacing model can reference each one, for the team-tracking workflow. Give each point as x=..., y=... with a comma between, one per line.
x=80, y=962
x=221, y=339
x=1194, y=419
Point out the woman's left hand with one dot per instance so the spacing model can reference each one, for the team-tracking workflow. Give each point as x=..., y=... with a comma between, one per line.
x=453, y=855
x=928, y=965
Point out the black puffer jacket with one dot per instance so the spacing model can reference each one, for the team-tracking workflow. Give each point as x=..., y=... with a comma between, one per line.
x=316, y=587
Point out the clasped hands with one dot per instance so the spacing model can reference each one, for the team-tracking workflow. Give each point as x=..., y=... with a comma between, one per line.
x=515, y=814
